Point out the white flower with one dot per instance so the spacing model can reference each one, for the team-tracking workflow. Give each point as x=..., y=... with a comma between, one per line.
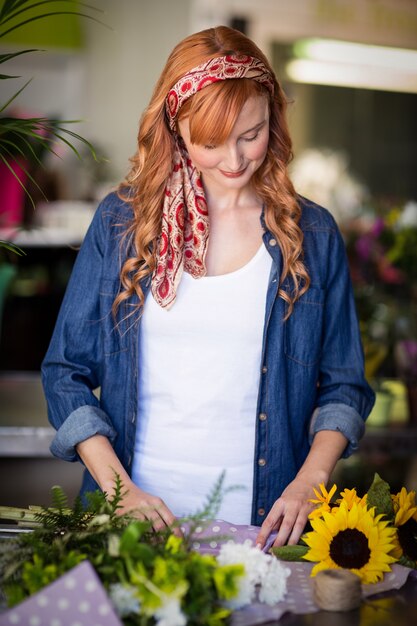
x=260, y=569
x=124, y=600
x=324, y=176
x=170, y=614
x=274, y=584
x=99, y=520
x=408, y=217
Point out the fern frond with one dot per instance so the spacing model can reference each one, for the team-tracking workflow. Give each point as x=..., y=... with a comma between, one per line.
x=59, y=498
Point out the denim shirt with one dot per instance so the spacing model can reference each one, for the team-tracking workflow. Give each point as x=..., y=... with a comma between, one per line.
x=311, y=379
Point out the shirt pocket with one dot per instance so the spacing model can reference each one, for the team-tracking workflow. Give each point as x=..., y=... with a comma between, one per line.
x=303, y=330
x=114, y=341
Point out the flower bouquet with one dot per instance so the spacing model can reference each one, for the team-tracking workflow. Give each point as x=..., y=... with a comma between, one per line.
x=382, y=253
x=365, y=535
x=202, y=576
x=149, y=577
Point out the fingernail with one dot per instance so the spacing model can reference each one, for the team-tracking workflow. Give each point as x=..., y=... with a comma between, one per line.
x=259, y=545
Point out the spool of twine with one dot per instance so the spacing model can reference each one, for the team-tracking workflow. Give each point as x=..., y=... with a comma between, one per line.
x=337, y=590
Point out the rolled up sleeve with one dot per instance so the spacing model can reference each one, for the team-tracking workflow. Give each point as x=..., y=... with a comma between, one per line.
x=341, y=418
x=81, y=424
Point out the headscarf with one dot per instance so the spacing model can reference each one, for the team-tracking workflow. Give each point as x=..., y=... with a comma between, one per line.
x=182, y=244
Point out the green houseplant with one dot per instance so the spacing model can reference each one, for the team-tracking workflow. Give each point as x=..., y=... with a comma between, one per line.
x=23, y=139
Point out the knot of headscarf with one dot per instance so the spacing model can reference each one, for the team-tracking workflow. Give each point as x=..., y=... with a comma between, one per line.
x=182, y=243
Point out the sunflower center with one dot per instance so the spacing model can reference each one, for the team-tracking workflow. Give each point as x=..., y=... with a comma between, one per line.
x=407, y=536
x=349, y=549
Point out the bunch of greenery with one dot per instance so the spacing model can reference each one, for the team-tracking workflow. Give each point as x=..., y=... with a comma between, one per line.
x=153, y=568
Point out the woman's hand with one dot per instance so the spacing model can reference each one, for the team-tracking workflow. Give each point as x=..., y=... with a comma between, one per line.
x=100, y=459
x=145, y=506
x=289, y=513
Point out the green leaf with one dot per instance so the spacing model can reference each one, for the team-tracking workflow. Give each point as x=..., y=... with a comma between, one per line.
x=13, y=248
x=11, y=55
x=226, y=579
x=41, y=17
x=129, y=539
x=59, y=498
x=11, y=8
x=15, y=95
x=290, y=553
x=379, y=496
x=404, y=560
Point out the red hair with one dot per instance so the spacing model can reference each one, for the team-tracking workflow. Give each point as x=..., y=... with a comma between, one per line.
x=151, y=165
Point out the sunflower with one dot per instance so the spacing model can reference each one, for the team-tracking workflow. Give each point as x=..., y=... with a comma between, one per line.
x=351, y=497
x=354, y=539
x=405, y=509
x=322, y=500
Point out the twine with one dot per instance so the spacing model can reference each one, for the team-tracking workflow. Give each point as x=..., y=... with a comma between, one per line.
x=337, y=590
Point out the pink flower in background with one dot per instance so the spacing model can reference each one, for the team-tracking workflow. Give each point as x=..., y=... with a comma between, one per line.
x=406, y=359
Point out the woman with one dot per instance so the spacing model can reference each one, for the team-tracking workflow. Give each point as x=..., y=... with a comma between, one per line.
x=212, y=306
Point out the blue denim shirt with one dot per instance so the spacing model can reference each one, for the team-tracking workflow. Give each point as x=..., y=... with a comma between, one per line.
x=311, y=378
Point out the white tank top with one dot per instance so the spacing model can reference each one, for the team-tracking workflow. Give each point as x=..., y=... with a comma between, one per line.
x=199, y=372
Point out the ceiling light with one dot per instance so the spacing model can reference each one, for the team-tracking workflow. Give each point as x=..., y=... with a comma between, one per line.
x=348, y=64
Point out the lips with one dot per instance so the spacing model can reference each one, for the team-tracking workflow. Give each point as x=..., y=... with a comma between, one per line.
x=233, y=174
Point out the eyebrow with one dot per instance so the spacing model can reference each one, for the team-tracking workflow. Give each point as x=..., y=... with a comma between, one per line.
x=257, y=127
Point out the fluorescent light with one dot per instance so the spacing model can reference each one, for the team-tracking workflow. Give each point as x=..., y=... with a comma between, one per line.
x=348, y=64
x=317, y=73
x=356, y=53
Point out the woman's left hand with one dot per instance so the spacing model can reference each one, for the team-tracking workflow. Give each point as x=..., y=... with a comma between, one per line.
x=289, y=514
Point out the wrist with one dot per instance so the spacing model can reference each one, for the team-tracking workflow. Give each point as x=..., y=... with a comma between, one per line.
x=314, y=477
x=108, y=483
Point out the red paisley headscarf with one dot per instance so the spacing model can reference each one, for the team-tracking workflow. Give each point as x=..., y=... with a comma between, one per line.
x=183, y=240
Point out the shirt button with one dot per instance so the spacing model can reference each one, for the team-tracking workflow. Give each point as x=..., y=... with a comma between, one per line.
x=261, y=462
x=262, y=417
x=133, y=418
x=264, y=369
x=272, y=242
x=129, y=460
x=261, y=512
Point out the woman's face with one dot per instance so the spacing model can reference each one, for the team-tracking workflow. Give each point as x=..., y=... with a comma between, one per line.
x=232, y=164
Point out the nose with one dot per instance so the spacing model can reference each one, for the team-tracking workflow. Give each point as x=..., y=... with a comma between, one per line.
x=233, y=160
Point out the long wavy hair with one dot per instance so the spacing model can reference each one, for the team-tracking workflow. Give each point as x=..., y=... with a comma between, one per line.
x=212, y=112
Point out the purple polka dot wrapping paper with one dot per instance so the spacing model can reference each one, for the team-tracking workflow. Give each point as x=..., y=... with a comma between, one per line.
x=76, y=599
x=79, y=599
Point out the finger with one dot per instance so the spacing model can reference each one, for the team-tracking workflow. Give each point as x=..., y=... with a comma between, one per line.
x=176, y=530
x=285, y=529
x=272, y=522
x=166, y=515
x=133, y=512
x=296, y=534
x=158, y=523
x=298, y=529
x=168, y=519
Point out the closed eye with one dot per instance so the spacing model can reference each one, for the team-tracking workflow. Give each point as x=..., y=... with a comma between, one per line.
x=251, y=138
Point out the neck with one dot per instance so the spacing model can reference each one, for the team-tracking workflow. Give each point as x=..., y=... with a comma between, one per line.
x=222, y=201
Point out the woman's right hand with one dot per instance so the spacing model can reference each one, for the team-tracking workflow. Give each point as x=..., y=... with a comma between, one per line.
x=145, y=506
x=100, y=459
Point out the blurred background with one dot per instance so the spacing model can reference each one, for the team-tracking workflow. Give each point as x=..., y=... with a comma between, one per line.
x=349, y=69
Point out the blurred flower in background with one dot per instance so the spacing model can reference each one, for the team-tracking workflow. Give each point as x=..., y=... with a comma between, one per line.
x=323, y=175
x=381, y=243
x=382, y=252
